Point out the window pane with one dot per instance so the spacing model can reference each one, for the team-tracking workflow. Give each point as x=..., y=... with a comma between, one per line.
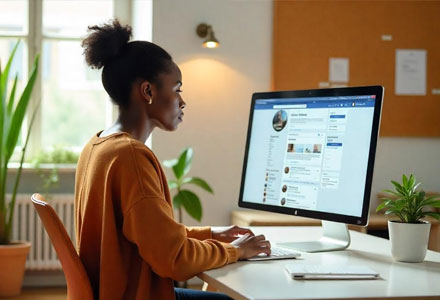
x=74, y=101
x=13, y=16
x=71, y=18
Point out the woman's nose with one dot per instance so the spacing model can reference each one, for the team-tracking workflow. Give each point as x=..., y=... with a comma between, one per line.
x=182, y=104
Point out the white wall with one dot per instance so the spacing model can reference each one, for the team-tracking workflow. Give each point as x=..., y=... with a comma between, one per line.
x=396, y=156
x=218, y=84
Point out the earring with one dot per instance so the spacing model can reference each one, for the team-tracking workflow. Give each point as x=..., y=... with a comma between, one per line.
x=150, y=101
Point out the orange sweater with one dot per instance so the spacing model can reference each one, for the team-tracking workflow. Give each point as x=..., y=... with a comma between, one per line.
x=125, y=230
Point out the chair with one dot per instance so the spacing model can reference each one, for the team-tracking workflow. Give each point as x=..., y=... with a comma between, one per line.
x=78, y=283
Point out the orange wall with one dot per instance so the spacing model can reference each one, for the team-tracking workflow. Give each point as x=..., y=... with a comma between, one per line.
x=307, y=33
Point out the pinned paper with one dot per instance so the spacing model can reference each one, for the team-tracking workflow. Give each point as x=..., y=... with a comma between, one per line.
x=339, y=69
x=410, y=72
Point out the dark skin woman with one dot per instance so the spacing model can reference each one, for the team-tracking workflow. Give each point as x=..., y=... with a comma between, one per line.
x=121, y=195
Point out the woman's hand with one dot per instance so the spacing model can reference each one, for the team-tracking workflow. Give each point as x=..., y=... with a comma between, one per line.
x=250, y=245
x=229, y=234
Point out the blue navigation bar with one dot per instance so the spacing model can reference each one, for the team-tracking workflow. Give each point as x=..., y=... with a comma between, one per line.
x=317, y=102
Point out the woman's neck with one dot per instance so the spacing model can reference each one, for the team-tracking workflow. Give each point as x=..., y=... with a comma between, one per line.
x=132, y=121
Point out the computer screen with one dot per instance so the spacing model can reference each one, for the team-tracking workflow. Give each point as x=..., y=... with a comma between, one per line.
x=311, y=153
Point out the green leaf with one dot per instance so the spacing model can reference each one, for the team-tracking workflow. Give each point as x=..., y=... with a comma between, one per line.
x=172, y=184
x=176, y=201
x=170, y=163
x=404, y=181
x=396, y=184
x=433, y=203
x=12, y=96
x=199, y=182
x=188, y=161
x=412, y=181
x=392, y=192
x=433, y=214
x=191, y=203
x=20, y=110
x=5, y=74
x=184, y=163
x=380, y=206
x=17, y=178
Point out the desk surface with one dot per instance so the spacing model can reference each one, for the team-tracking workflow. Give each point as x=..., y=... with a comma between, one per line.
x=269, y=280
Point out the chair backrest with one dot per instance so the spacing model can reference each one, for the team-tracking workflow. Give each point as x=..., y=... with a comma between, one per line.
x=78, y=283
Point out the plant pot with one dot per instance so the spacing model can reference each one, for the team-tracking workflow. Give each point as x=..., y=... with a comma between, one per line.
x=409, y=241
x=12, y=262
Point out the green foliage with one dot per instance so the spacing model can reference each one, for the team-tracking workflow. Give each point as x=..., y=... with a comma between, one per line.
x=408, y=203
x=59, y=155
x=11, y=119
x=186, y=198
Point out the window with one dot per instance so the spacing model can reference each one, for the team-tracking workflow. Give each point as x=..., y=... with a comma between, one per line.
x=74, y=104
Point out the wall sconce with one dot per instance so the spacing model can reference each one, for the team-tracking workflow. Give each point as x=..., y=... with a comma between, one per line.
x=205, y=31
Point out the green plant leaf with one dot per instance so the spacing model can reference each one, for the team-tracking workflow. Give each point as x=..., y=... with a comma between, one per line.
x=172, y=184
x=199, y=182
x=188, y=161
x=170, y=163
x=392, y=192
x=20, y=110
x=184, y=163
x=433, y=203
x=191, y=203
x=176, y=201
x=412, y=181
x=12, y=96
x=404, y=181
x=380, y=206
x=433, y=214
x=5, y=74
x=17, y=178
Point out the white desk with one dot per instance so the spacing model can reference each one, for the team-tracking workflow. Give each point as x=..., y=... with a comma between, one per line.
x=269, y=280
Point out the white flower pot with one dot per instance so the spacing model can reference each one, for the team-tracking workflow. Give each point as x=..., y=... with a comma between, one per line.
x=409, y=241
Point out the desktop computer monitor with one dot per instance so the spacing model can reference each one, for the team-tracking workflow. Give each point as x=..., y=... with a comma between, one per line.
x=311, y=153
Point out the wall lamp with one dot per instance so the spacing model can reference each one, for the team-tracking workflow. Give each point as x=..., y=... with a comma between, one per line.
x=205, y=31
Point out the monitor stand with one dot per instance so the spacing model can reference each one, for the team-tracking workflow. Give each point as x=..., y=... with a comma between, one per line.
x=335, y=236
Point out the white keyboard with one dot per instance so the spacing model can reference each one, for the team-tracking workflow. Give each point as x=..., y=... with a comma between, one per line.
x=276, y=253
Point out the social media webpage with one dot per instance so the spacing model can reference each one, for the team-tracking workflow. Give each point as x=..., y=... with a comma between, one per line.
x=310, y=153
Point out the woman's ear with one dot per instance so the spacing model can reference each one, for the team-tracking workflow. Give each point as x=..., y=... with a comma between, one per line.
x=146, y=89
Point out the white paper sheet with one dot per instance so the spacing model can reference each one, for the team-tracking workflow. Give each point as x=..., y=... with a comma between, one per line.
x=410, y=72
x=338, y=69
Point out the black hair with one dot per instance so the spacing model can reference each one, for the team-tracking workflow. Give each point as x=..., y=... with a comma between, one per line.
x=123, y=62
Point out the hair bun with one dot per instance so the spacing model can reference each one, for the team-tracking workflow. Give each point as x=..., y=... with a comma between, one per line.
x=105, y=42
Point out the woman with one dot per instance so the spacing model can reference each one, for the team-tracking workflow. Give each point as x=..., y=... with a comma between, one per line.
x=125, y=230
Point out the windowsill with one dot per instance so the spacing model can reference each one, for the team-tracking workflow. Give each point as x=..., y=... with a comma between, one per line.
x=29, y=168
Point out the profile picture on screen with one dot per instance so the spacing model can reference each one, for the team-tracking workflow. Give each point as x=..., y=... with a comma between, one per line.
x=290, y=147
x=284, y=188
x=279, y=120
x=286, y=170
x=317, y=148
x=283, y=201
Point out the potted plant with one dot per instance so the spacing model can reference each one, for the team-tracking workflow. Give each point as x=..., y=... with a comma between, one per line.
x=12, y=253
x=184, y=197
x=409, y=235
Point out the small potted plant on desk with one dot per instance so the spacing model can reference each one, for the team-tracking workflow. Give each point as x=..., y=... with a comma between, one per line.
x=12, y=253
x=409, y=235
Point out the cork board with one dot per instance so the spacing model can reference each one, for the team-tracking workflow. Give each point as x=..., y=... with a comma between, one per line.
x=306, y=34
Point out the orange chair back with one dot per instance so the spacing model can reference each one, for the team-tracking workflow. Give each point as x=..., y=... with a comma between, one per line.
x=78, y=283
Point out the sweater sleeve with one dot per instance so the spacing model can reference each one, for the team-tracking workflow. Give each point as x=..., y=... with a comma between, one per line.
x=200, y=233
x=165, y=246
